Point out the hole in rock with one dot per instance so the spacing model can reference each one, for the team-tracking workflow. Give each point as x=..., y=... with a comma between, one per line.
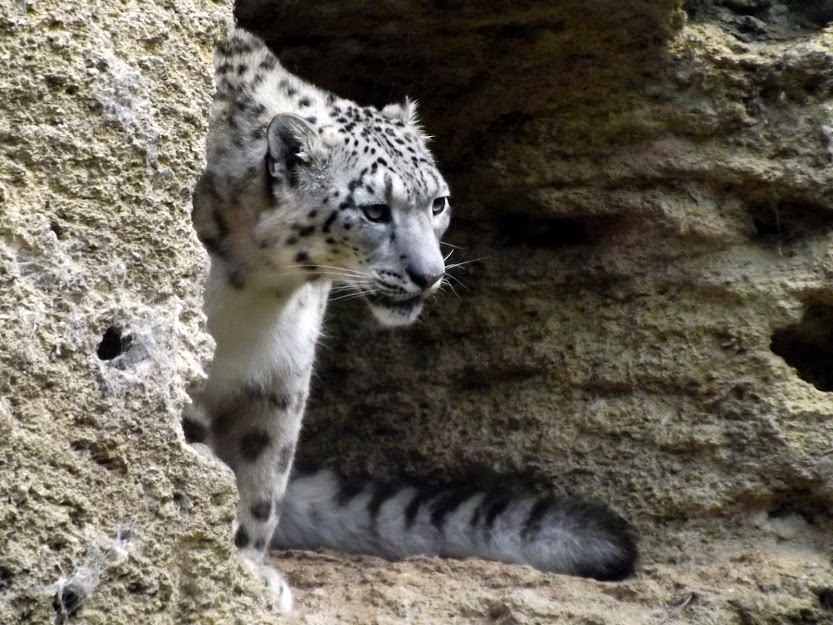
x=826, y=598
x=113, y=344
x=819, y=12
x=5, y=578
x=808, y=346
x=182, y=502
x=124, y=535
x=101, y=455
x=66, y=601
x=787, y=220
x=552, y=232
x=57, y=228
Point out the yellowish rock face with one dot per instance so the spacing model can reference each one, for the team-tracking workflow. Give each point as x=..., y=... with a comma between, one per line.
x=645, y=196
x=102, y=121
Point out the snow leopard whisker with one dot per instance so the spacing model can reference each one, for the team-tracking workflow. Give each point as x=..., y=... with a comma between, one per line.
x=450, y=286
x=344, y=269
x=465, y=262
x=316, y=266
x=457, y=280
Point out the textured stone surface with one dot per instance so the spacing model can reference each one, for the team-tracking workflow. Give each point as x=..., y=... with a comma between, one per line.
x=102, y=122
x=644, y=193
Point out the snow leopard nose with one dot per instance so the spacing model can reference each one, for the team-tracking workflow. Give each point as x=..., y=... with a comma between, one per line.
x=424, y=281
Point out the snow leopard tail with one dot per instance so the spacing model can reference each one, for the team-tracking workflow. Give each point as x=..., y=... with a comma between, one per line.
x=323, y=508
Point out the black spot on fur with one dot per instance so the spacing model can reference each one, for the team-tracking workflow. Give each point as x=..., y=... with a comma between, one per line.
x=262, y=510
x=241, y=538
x=277, y=400
x=253, y=443
x=447, y=503
x=604, y=525
x=422, y=496
x=301, y=256
x=221, y=423
x=348, y=489
x=304, y=101
x=306, y=231
x=220, y=223
x=325, y=228
x=214, y=246
x=532, y=525
x=260, y=544
x=493, y=509
x=236, y=279
x=284, y=458
x=299, y=401
x=194, y=431
x=381, y=494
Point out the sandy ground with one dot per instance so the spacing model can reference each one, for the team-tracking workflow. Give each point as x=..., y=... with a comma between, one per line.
x=767, y=571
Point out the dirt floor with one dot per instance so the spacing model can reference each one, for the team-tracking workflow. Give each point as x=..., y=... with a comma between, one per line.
x=783, y=579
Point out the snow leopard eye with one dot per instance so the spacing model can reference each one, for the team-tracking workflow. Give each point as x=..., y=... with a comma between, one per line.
x=440, y=204
x=379, y=213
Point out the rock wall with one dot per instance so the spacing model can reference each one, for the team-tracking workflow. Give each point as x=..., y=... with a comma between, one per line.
x=102, y=122
x=643, y=210
x=642, y=197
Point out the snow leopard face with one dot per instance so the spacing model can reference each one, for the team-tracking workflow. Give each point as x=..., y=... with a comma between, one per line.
x=357, y=198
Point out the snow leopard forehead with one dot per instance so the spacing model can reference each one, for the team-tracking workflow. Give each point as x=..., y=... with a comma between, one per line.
x=374, y=148
x=382, y=148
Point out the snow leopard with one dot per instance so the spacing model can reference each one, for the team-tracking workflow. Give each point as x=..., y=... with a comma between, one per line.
x=304, y=194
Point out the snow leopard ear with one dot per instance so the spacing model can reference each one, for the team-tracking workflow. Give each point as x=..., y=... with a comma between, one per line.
x=405, y=113
x=293, y=143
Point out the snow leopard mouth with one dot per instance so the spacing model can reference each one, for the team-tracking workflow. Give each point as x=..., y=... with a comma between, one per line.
x=394, y=312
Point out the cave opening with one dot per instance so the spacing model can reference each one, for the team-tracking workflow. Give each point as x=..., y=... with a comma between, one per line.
x=807, y=346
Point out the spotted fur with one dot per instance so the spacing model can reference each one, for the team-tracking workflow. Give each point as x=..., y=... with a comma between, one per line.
x=323, y=508
x=304, y=190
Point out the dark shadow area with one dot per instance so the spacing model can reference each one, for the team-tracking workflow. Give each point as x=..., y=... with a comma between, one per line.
x=808, y=346
x=754, y=17
x=552, y=232
x=786, y=221
x=475, y=65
